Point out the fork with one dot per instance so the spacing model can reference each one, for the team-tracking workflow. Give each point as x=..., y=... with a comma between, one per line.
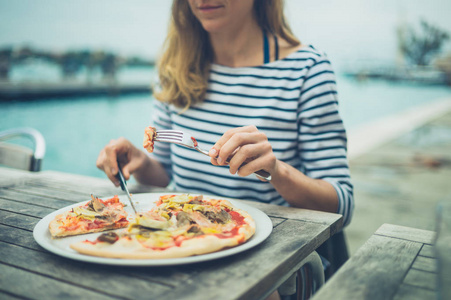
x=183, y=139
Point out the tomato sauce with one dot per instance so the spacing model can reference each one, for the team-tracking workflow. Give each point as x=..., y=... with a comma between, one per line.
x=237, y=218
x=94, y=225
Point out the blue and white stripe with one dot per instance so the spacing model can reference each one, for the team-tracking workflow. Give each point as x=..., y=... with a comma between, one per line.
x=292, y=100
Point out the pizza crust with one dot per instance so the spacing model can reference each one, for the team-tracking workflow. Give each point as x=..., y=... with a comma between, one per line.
x=132, y=249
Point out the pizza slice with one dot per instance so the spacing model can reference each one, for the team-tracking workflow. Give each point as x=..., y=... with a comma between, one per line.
x=178, y=226
x=94, y=216
x=149, y=138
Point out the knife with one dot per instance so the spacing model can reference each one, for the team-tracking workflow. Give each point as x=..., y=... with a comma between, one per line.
x=124, y=186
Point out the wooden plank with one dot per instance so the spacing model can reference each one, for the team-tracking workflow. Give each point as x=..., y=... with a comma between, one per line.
x=65, y=186
x=51, y=193
x=9, y=177
x=8, y=296
x=335, y=221
x=25, y=209
x=427, y=264
x=85, y=187
x=14, y=195
x=98, y=278
x=277, y=221
x=421, y=279
x=29, y=285
x=428, y=251
x=407, y=233
x=18, y=237
x=18, y=220
x=408, y=292
x=274, y=260
x=93, y=184
x=375, y=271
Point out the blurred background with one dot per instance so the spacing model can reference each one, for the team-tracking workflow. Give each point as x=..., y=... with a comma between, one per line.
x=80, y=72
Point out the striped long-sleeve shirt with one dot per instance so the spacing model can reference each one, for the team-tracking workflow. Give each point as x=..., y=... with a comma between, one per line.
x=292, y=100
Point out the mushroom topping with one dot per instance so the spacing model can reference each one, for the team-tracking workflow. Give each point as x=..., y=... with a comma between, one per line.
x=196, y=230
x=95, y=204
x=108, y=237
x=220, y=217
x=197, y=200
x=183, y=219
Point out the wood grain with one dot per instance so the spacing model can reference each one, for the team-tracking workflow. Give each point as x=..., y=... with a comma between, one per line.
x=408, y=292
x=421, y=279
x=375, y=271
x=407, y=233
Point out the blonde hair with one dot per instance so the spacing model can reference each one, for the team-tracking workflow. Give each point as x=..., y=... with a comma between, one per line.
x=184, y=66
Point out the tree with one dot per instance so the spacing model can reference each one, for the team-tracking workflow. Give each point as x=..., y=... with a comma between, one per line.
x=420, y=48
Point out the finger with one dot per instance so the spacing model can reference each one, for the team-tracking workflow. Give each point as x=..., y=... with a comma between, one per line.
x=244, y=155
x=214, y=161
x=111, y=160
x=214, y=151
x=265, y=162
x=102, y=164
x=237, y=141
x=114, y=150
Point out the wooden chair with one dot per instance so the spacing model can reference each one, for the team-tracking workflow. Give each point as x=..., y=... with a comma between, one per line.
x=21, y=157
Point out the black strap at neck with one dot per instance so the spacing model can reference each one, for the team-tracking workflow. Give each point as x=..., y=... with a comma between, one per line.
x=266, y=56
x=266, y=52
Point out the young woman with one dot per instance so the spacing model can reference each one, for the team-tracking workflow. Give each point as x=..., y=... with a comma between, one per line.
x=234, y=76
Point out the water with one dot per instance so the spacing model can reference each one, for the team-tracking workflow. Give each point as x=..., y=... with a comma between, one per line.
x=363, y=102
x=76, y=129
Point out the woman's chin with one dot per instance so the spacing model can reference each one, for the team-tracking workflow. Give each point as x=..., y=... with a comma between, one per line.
x=214, y=26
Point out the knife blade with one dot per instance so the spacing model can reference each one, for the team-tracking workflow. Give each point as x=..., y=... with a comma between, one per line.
x=124, y=186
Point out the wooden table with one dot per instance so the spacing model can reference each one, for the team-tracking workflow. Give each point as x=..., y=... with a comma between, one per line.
x=395, y=263
x=29, y=271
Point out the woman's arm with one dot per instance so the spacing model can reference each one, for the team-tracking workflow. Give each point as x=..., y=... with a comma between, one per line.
x=302, y=191
x=252, y=151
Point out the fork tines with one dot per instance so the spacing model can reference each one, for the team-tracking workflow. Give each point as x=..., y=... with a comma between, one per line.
x=162, y=135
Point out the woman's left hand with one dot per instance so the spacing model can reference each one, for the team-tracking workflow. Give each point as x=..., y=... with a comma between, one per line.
x=246, y=150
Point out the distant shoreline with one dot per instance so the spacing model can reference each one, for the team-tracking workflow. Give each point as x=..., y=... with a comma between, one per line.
x=36, y=91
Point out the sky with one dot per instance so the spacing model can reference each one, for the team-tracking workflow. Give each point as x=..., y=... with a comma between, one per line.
x=347, y=30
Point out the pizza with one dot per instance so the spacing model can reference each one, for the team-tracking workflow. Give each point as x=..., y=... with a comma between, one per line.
x=95, y=215
x=149, y=138
x=177, y=226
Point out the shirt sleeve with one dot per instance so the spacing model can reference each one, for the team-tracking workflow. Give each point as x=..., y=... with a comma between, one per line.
x=162, y=121
x=322, y=136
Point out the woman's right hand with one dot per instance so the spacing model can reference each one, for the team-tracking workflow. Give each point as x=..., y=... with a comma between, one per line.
x=123, y=151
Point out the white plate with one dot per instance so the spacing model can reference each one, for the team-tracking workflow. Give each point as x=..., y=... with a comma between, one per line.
x=144, y=202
